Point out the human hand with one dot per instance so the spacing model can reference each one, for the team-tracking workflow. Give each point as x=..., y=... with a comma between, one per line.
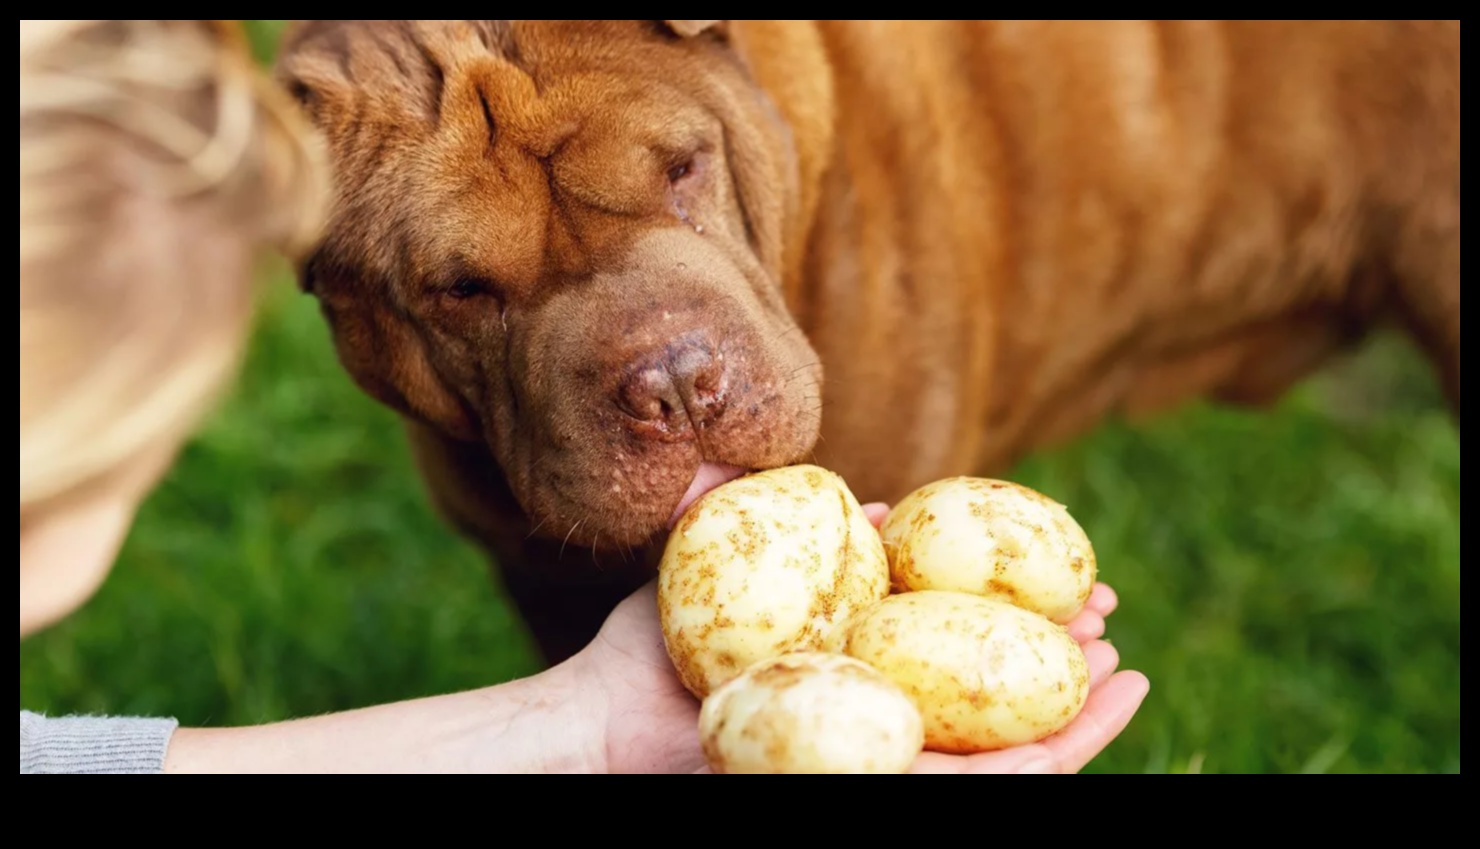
x=652, y=721
x=617, y=706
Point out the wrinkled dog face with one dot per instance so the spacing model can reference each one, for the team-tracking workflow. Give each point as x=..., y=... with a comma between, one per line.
x=562, y=239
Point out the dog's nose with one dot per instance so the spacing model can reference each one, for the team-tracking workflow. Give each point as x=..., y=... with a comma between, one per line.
x=682, y=387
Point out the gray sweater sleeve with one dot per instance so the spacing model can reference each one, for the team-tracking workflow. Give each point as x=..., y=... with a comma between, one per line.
x=93, y=744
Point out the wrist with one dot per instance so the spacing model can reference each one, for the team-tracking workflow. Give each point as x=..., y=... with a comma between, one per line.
x=547, y=723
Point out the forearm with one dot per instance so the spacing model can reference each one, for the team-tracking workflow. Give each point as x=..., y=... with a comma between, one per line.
x=534, y=725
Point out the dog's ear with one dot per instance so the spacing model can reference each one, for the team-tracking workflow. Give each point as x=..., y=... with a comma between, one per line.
x=689, y=29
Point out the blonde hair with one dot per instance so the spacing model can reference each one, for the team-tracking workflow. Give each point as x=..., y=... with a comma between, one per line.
x=156, y=162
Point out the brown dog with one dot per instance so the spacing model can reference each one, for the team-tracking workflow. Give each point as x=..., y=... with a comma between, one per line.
x=600, y=266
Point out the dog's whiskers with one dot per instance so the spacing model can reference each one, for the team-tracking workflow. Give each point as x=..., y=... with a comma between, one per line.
x=536, y=527
x=799, y=369
x=794, y=328
x=626, y=549
x=572, y=530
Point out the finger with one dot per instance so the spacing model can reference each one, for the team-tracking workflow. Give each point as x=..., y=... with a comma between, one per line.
x=1032, y=758
x=876, y=511
x=1088, y=625
x=1107, y=712
x=1103, y=658
x=1102, y=600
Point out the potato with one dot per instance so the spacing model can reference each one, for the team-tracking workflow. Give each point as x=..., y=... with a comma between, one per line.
x=983, y=673
x=810, y=712
x=993, y=538
x=761, y=566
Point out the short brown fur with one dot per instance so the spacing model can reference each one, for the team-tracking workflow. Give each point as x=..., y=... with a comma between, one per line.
x=902, y=250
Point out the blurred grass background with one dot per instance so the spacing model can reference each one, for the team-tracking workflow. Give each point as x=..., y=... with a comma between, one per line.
x=1289, y=581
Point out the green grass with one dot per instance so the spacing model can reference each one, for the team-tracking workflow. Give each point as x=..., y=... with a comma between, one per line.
x=1289, y=581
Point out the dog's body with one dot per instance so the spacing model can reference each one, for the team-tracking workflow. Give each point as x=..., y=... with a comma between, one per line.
x=583, y=257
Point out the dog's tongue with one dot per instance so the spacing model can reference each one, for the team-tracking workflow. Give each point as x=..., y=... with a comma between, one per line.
x=709, y=476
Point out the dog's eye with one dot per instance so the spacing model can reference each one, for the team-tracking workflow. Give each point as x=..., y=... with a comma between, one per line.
x=679, y=171
x=467, y=287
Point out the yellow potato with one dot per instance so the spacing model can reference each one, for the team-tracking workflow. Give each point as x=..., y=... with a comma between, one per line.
x=763, y=565
x=984, y=674
x=810, y=712
x=992, y=538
